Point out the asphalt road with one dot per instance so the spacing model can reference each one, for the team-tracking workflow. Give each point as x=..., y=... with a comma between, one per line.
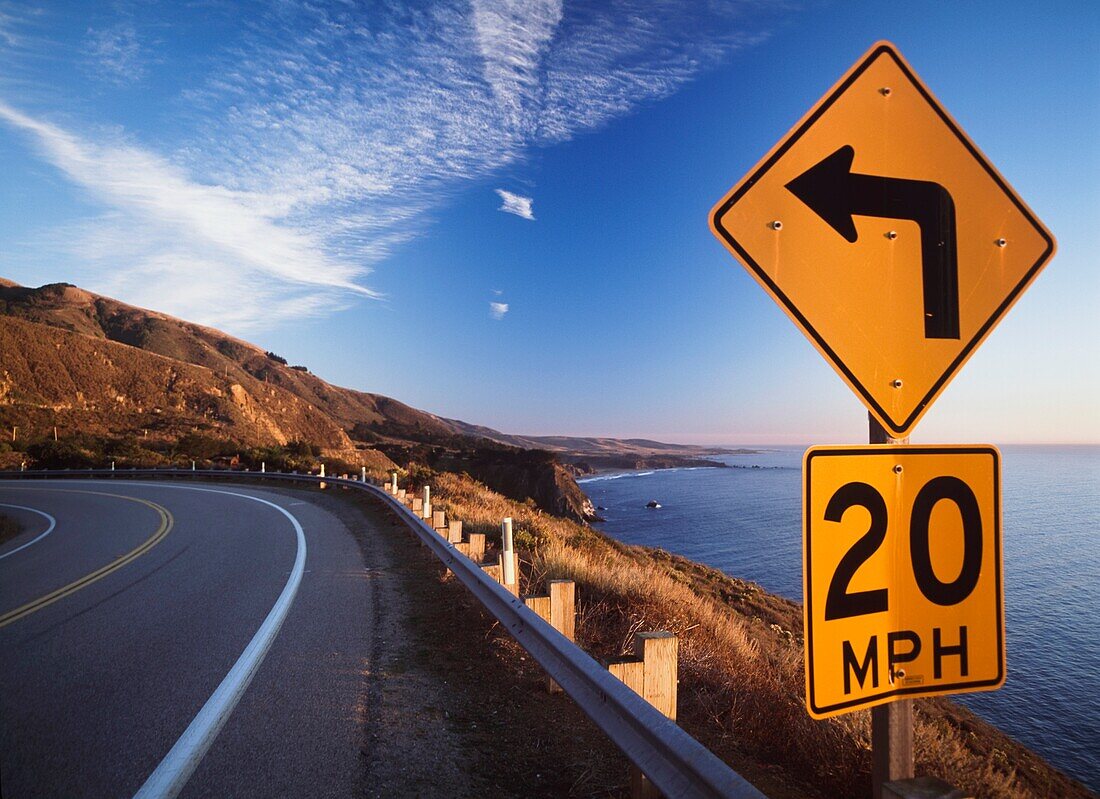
x=167, y=634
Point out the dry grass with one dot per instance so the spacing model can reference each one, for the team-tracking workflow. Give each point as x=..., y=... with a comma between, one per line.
x=741, y=673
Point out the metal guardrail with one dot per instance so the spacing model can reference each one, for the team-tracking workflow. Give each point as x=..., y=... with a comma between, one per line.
x=677, y=764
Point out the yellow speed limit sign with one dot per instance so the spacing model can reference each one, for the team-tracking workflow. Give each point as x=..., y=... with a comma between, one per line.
x=902, y=574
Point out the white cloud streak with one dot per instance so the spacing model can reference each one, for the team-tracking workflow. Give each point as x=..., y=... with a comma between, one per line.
x=516, y=204
x=213, y=238
x=498, y=309
x=324, y=136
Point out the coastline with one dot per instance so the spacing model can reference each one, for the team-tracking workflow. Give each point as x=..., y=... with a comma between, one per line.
x=748, y=524
x=607, y=467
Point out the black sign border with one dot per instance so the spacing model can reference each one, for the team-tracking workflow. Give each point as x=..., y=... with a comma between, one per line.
x=807, y=599
x=953, y=367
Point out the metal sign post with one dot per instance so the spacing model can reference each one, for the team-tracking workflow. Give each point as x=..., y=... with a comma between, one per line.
x=892, y=755
x=891, y=724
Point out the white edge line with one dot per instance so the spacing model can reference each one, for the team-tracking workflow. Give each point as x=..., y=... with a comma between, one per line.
x=173, y=772
x=53, y=524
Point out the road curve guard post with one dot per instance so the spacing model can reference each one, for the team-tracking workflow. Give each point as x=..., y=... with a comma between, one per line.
x=509, y=561
x=426, y=504
x=653, y=674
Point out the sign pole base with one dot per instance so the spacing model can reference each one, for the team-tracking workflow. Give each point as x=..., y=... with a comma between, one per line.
x=891, y=744
x=891, y=724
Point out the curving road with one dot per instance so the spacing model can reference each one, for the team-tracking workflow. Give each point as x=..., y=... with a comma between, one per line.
x=168, y=638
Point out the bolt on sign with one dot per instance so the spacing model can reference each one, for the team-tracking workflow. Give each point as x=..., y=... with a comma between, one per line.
x=886, y=236
x=902, y=574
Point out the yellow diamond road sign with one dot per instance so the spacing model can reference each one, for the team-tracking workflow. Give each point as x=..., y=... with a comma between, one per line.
x=887, y=237
x=902, y=574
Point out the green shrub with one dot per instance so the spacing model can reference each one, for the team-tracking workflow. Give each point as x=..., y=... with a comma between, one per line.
x=64, y=454
x=200, y=447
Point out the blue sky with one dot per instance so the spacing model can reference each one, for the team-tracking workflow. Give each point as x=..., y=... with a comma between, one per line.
x=497, y=211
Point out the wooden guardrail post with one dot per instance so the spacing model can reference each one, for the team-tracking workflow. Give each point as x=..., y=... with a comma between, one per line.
x=540, y=604
x=563, y=607
x=439, y=522
x=477, y=547
x=454, y=531
x=417, y=505
x=631, y=672
x=557, y=608
x=400, y=494
x=652, y=673
x=659, y=652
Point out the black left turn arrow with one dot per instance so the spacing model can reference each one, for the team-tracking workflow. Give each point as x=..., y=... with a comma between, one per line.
x=836, y=194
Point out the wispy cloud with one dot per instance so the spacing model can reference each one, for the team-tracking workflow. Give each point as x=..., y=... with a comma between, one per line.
x=7, y=29
x=516, y=204
x=320, y=137
x=210, y=237
x=115, y=53
x=513, y=36
x=498, y=309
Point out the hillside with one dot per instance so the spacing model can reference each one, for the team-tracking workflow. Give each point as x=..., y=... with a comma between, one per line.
x=91, y=365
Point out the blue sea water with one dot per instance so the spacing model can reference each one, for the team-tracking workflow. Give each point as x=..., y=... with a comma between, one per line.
x=746, y=521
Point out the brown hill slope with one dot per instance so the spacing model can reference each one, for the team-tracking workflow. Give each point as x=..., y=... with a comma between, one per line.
x=233, y=360
x=52, y=377
x=92, y=365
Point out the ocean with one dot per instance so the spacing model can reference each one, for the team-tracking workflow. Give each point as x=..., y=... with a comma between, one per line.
x=746, y=521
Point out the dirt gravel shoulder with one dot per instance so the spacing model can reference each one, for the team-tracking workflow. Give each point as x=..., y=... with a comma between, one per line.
x=452, y=706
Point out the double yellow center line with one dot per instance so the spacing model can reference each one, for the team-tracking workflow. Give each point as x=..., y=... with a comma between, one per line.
x=166, y=522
